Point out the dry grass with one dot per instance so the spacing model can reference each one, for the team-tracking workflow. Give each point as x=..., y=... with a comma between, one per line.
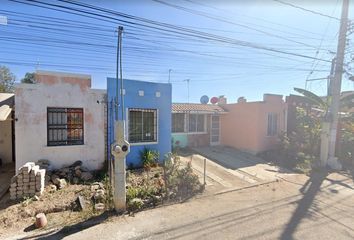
x=16, y=217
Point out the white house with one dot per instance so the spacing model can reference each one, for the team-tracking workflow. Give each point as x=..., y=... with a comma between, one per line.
x=60, y=118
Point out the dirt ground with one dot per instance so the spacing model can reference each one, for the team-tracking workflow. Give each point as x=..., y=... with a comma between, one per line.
x=19, y=216
x=60, y=207
x=319, y=207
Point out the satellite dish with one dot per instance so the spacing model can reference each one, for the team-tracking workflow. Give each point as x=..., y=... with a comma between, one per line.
x=214, y=100
x=204, y=99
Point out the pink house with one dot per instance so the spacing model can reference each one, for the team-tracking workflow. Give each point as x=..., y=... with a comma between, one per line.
x=254, y=126
x=250, y=126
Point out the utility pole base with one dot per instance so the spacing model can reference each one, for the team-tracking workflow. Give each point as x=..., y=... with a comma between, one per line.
x=334, y=164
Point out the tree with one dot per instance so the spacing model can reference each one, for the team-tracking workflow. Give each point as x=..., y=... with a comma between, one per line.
x=345, y=136
x=7, y=80
x=346, y=102
x=29, y=78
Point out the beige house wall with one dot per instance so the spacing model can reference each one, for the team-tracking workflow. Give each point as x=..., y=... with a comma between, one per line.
x=58, y=90
x=245, y=125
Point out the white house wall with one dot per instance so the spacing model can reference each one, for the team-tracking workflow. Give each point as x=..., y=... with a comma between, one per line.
x=5, y=141
x=31, y=103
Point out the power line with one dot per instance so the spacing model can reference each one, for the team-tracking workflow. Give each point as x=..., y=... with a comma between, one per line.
x=306, y=10
x=200, y=13
x=164, y=27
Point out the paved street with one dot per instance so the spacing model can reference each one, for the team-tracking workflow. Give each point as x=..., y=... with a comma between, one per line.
x=319, y=207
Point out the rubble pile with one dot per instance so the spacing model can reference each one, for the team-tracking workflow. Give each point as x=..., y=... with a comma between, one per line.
x=74, y=173
x=29, y=182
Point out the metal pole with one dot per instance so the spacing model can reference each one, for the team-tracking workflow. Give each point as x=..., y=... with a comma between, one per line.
x=169, y=75
x=117, y=74
x=325, y=125
x=204, y=171
x=188, y=89
x=335, y=86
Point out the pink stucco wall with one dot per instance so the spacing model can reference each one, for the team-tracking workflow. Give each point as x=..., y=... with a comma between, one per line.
x=245, y=125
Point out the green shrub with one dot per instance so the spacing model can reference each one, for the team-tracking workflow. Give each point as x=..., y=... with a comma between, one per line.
x=149, y=158
x=179, y=181
x=135, y=204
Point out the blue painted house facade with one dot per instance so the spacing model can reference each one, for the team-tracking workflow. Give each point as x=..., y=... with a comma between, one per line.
x=147, y=111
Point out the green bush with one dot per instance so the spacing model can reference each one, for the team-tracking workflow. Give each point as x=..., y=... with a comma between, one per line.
x=179, y=181
x=149, y=158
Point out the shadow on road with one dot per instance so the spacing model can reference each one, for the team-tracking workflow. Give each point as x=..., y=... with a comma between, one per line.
x=310, y=190
x=69, y=230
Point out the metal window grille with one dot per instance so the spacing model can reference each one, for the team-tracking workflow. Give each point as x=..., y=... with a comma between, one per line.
x=196, y=122
x=272, y=129
x=178, y=120
x=65, y=126
x=142, y=125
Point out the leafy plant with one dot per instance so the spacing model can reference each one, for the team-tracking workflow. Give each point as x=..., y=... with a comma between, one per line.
x=149, y=158
x=179, y=181
x=29, y=78
x=135, y=204
x=7, y=80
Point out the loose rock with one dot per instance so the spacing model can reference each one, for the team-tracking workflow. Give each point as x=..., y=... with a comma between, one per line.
x=62, y=183
x=99, y=206
x=86, y=176
x=80, y=201
x=52, y=188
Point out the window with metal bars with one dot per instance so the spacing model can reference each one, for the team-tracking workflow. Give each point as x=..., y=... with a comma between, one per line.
x=142, y=125
x=272, y=128
x=196, y=123
x=178, y=122
x=65, y=126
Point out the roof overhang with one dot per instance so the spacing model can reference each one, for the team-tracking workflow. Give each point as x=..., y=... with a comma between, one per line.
x=5, y=112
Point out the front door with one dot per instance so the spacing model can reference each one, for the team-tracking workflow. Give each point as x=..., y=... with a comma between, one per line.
x=215, y=130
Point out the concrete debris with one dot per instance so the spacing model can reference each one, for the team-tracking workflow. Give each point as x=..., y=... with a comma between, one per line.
x=99, y=195
x=86, y=176
x=72, y=174
x=99, y=206
x=80, y=202
x=61, y=183
x=29, y=182
x=52, y=188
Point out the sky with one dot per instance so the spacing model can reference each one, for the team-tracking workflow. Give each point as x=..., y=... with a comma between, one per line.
x=231, y=48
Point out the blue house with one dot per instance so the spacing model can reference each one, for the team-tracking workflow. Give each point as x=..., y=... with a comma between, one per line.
x=147, y=111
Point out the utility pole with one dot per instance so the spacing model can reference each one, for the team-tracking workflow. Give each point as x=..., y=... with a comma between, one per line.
x=121, y=147
x=169, y=75
x=187, y=80
x=326, y=123
x=335, y=87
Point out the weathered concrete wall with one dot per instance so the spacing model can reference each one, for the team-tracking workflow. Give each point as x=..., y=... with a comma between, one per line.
x=58, y=90
x=6, y=141
x=245, y=125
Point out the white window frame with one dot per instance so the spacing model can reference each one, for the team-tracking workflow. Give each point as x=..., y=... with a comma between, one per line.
x=157, y=126
x=205, y=124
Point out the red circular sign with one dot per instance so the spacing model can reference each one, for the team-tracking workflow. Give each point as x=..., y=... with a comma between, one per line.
x=214, y=100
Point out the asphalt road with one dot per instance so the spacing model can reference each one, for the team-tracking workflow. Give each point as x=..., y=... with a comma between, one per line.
x=319, y=207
